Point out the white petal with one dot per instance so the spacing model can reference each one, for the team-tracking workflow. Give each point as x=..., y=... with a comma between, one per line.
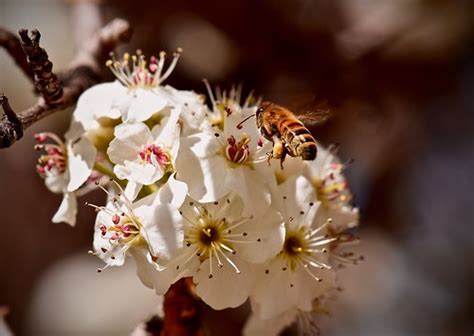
x=278, y=290
x=143, y=105
x=291, y=167
x=130, y=138
x=300, y=194
x=173, y=192
x=323, y=160
x=202, y=170
x=250, y=186
x=169, y=134
x=96, y=102
x=270, y=229
x=160, y=281
x=145, y=270
x=162, y=229
x=75, y=131
x=249, y=127
x=57, y=183
x=131, y=190
x=343, y=218
x=67, y=210
x=140, y=173
x=272, y=327
x=231, y=207
x=81, y=159
x=226, y=289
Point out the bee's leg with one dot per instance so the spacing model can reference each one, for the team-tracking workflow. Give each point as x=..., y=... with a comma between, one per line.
x=282, y=158
x=279, y=150
x=269, y=158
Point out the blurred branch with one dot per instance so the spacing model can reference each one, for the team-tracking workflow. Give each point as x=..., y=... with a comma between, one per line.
x=12, y=45
x=57, y=91
x=181, y=308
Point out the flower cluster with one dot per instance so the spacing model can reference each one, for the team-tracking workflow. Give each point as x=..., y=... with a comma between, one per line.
x=190, y=194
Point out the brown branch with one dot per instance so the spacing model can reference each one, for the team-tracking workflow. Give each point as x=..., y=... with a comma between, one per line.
x=12, y=45
x=47, y=83
x=63, y=90
x=182, y=310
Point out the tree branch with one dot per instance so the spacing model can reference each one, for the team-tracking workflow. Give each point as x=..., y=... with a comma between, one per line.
x=57, y=91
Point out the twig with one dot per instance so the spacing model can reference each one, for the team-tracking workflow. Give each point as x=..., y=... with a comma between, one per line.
x=63, y=90
x=47, y=83
x=182, y=313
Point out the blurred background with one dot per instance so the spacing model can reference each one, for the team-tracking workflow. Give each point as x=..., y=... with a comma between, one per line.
x=398, y=76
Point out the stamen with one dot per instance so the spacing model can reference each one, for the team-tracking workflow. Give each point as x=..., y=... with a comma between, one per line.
x=133, y=71
x=210, y=264
x=309, y=272
x=237, y=270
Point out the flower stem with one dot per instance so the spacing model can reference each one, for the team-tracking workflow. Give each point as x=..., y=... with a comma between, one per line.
x=108, y=172
x=149, y=189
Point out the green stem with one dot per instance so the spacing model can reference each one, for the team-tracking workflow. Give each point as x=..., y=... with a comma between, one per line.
x=149, y=189
x=108, y=172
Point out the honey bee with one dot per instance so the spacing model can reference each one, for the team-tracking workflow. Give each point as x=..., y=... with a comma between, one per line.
x=287, y=132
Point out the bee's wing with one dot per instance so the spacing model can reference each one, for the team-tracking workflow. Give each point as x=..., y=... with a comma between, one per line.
x=314, y=113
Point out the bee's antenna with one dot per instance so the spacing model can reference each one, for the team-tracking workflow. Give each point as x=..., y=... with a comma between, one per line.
x=239, y=125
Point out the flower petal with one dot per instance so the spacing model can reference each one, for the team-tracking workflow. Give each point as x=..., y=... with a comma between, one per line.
x=67, y=210
x=270, y=230
x=97, y=102
x=140, y=173
x=81, y=159
x=202, y=170
x=130, y=138
x=297, y=199
x=272, y=327
x=169, y=133
x=279, y=288
x=57, y=183
x=143, y=105
x=226, y=289
x=131, y=190
x=173, y=192
x=160, y=281
x=249, y=185
x=162, y=229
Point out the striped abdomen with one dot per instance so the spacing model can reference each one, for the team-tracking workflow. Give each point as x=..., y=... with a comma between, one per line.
x=299, y=140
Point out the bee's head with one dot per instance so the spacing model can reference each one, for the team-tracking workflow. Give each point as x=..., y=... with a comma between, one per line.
x=260, y=110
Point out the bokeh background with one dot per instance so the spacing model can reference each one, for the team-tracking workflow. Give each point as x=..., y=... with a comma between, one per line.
x=398, y=76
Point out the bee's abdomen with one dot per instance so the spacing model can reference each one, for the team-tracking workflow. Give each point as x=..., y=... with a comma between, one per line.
x=308, y=150
x=299, y=139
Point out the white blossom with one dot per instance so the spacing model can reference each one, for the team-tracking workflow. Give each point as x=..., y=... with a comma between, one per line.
x=228, y=156
x=300, y=272
x=142, y=155
x=141, y=95
x=149, y=229
x=65, y=166
x=195, y=195
x=330, y=185
x=220, y=246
